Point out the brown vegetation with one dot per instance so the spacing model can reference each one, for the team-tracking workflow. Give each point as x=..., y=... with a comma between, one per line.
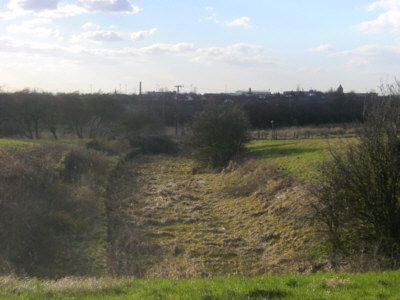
x=51, y=211
x=306, y=132
x=249, y=219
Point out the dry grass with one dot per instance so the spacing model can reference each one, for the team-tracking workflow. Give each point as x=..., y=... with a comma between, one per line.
x=15, y=285
x=338, y=282
x=306, y=132
x=162, y=220
x=247, y=220
x=51, y=210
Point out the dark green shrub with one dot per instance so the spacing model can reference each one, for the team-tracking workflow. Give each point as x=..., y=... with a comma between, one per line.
x=141, y=121
x=153, y=144
x=111, y=146
x=218, y=135
x=96, y=145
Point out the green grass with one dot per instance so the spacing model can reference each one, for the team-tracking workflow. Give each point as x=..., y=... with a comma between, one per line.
x=300, y=157
x=23, y=143
x=16, y=143
x=385, y=285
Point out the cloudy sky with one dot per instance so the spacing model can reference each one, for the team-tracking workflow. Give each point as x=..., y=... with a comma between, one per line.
x=205, y=45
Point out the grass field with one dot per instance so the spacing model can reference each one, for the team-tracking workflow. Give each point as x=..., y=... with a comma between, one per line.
x=16, y=143
x=300, y=157
x=385, y=285
x=21, y=143
x=214, y=221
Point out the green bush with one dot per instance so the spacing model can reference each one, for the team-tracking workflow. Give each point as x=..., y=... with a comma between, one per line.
x=359, y=194
x=218, y=135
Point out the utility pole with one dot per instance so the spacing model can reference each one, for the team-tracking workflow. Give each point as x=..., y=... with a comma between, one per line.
x=176, y=112
x=163, y=108
x=177, y=88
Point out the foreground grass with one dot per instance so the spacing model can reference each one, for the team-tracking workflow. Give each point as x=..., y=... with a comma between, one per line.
x=385, y=285
x=300, y=157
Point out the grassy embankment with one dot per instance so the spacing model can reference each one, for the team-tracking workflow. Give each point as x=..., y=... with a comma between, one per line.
x=300, y=157
x=208, y=224
x=383, y=285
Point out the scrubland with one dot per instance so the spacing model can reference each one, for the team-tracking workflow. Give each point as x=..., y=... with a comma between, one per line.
x=86, y=214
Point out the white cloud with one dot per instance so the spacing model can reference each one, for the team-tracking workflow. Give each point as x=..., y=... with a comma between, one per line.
x=384, y=4
x=209, y=8
x=97, y=36
x=90, y=26
x=58, y=9
x=389, y=21
x=240, y=22
x=12, y=46
x=160, y=49
x=35, y=27
x=322, y=48
x=372, y=54
x=242, y=55
x=33, y=5
x=86, y=64
x=239, y=54
x=140, y=35
x=214, y=18
x=111, y=6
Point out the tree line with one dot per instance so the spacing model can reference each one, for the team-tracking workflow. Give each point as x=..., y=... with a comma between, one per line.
x=28, y=114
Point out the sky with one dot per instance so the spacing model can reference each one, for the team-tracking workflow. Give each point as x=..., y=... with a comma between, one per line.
x=205, y=45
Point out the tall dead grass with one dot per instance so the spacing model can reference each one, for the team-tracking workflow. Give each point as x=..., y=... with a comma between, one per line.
x=51, y=212
x=14, y=285
x=307, y=132
x=253, y=176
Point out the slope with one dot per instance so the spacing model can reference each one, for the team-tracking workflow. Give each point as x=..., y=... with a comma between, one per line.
x=250, y=219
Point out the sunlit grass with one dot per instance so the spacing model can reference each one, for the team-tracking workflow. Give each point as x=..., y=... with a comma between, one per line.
x=300, y=157
x=23, y=143
x=15, y=143
x=385, y=285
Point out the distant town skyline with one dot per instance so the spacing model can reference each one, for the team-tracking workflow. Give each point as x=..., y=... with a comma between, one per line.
x=203, y=45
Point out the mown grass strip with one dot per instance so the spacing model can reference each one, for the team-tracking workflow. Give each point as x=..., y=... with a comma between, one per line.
x=15, y=143
x=385, y=285
x=300, y=157
x=23, y=143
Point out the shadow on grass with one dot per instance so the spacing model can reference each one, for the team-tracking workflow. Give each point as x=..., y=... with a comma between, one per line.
x=256, y=294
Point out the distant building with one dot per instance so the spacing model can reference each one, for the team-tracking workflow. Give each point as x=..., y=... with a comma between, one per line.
x=261, y=94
